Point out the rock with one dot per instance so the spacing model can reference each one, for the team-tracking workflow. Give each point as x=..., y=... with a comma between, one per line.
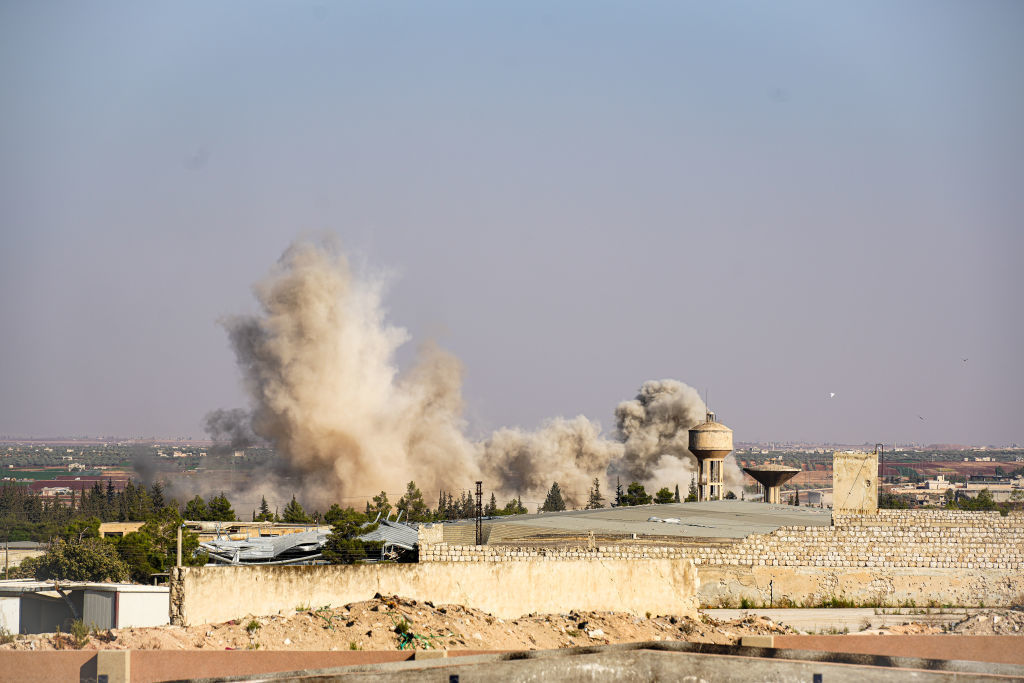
x=287, y=641
x=596, y=633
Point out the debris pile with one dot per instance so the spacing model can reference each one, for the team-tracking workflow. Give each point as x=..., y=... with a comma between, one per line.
x=392, y=623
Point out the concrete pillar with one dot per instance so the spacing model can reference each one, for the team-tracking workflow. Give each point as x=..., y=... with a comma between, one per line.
x=114, y=666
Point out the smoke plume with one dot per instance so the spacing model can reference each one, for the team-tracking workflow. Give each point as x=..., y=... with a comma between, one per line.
x=654, y=427
x=230, y=429
x=319, y=367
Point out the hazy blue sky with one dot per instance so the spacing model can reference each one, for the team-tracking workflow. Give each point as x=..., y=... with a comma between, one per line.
x=773, y=201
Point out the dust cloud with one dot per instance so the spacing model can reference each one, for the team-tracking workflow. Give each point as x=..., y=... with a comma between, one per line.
x=318, y=364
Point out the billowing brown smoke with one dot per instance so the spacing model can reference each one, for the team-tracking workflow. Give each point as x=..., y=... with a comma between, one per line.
x=571, y=452
x=319, y=367
x=655, y=430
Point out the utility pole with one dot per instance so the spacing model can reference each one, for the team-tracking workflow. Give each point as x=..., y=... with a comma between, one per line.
x=880, y=448
x=479, y=513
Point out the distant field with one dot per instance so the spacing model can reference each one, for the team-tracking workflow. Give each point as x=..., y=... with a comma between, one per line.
x=37, y=475
x=931, y=468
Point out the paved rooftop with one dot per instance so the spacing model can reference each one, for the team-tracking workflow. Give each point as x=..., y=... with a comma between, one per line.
x=711, y=519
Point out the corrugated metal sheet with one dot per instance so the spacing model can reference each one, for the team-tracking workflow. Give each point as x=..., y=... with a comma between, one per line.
x=289, y=547
x=394, y=533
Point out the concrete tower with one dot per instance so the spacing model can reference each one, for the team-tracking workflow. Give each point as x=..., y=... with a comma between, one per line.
x=710, y=442
x=772, y=476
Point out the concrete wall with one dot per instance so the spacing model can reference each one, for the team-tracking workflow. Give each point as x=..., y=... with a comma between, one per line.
x=10, y=611
x=15, y=556
x=212, y=594
x=854, y=482
x=143, y=608
x=728, y=586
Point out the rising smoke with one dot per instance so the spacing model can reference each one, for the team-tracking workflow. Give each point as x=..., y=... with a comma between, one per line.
x=319, y=367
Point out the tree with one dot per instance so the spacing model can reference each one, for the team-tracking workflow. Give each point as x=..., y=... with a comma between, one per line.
x=691, y=494
x=514, y=507
x=675, y=498
x=91, y=559
x=294, y=514
x=334, y=513
x=380, y=505
x=492, y=506
x=153, y=548
x=264, y=515
x=982, y=501
x=664, y=496
x=81, y=528
x=219, y=509
x=156, y=495
x=618, y=492
x=554, y=502
x=343, y=545
x=636, y=495
x=893, y=501
x=596, y=500
x=413, y=505
x=195, y=509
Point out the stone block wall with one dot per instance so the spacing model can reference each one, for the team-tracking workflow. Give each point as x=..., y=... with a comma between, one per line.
x=943, y=539
x=888, y=557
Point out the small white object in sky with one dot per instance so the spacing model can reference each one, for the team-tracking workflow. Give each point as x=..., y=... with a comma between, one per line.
x=831, y=394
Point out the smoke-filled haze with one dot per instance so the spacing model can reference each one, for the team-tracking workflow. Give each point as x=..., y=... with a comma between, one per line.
x=320, y=369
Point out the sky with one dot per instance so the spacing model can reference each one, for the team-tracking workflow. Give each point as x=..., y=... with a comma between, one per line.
x=771, y=202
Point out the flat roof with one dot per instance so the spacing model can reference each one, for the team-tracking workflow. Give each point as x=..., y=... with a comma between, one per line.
x=710, y=519
x=34, y=586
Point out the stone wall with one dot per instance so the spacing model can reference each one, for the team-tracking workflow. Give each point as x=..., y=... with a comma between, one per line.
x=888, y=557
x=944, y=539
x=778, y=586
x=210, y=594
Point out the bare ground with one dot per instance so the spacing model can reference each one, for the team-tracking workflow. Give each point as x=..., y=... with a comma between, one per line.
x=388, y=623
x=385, y=623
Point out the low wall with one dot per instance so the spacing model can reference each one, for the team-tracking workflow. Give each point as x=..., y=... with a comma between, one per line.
x=1002, y=649
x=212, y=594
x=729, y=586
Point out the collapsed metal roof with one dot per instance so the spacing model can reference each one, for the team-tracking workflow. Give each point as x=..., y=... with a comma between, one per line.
x=397, y=534
x=285, y=549
x=303, y=547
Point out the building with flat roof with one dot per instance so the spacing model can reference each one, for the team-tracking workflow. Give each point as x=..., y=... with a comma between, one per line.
x=671, y=523
x=30, y=606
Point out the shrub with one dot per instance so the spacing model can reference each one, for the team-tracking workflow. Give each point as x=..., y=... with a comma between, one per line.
x=79, y=634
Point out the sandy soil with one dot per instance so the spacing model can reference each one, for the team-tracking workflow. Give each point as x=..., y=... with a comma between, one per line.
x=386, y=623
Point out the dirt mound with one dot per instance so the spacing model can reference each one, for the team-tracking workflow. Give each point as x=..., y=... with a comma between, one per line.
x=1005, y=622
x=390, y=623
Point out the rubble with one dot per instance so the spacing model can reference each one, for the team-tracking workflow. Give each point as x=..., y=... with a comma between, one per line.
x=391, y=623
